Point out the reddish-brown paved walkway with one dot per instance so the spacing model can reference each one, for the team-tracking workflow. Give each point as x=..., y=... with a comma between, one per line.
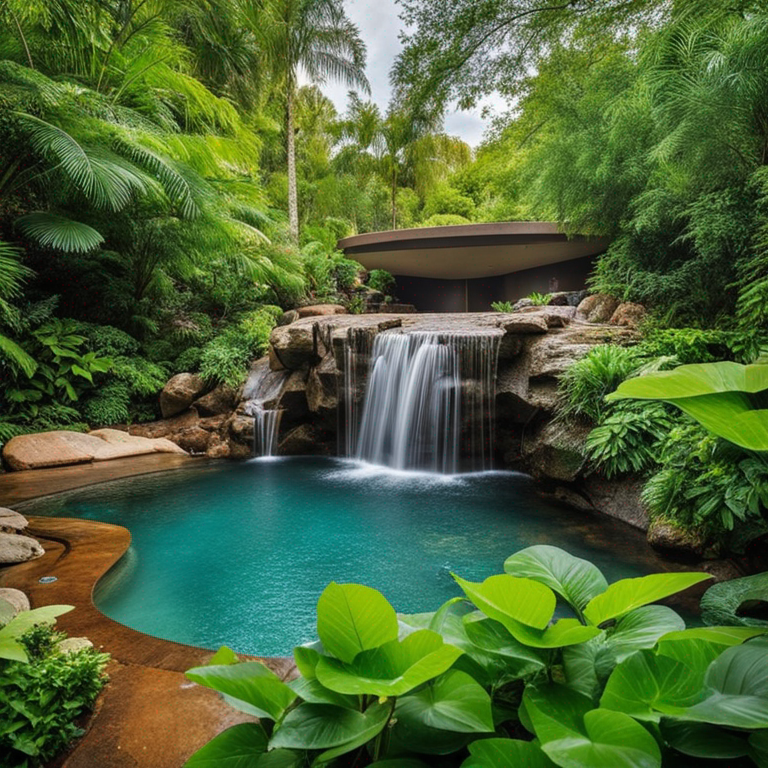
x=150, y=715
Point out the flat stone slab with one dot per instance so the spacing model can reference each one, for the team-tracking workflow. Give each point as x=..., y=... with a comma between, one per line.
x=12, y=520
x=18, y=549
x=61, y=447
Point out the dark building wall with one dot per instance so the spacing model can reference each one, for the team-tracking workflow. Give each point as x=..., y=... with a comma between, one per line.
x=432, y=295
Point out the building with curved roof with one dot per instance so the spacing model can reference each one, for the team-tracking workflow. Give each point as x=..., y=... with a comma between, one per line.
x=466, y=267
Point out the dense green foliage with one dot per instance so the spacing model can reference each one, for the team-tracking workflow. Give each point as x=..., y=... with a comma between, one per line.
x=43, y=690
x=488, y=680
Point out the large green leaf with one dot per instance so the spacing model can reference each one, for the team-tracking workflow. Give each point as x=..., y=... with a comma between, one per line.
x=392, y=669
x=555, y=711
x=627, y=594
x=59, y=232
x=504, y=597
x=492, y=637
x=562, y=633
x=249, y=687
x=645, y=686
x=738, y=684
x=238, y=747
x=352, y=618
x=703, y=740
x=642, y=628
x=720, y=603
x=10, y=648
x=758, y=748
x=306, y=659
x=311, y=691
x=505, y=753
x=715, y=394
x=720, y=636
x=695, y=654
x=453, y=702
x=574, y=579
x=610, y=739
x=322, y=726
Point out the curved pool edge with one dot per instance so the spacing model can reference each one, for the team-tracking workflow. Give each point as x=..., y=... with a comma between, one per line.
x=79, y=553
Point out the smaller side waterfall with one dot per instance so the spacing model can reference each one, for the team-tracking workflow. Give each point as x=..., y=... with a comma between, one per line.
x=428, y=400
x=261, y=393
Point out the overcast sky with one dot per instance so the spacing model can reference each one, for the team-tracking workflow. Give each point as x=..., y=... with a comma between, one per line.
x=379, y=25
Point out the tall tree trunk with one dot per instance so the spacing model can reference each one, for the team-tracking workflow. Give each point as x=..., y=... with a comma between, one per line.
x=293, y=202
x=394, y=198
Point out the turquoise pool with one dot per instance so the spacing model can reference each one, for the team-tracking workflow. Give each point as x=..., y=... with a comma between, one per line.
x=238, y=554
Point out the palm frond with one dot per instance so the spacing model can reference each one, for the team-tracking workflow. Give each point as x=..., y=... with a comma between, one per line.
x=59, y=232
x=17, y=356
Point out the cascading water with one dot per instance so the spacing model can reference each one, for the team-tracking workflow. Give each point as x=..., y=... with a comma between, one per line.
x=428, y=401
x=261, y=392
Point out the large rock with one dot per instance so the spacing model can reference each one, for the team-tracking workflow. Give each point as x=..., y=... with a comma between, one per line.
x=303, y=440
x=619, y=498
x=11, y=521
x=222, y=399
x=293, y=346
x=321, y=310
x=523, y=323
x=167, y=427
x=18, y=549
x=669, y=538
x=321, y=391
x=123, y=444
x=180, y=392
x=556, y=452
x=291, y=316
x=597, y=308
x=628, y=315
x=15, y=598
x=58, y=448
x=555, y=316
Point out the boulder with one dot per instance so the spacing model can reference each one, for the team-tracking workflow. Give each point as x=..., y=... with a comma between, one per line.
x=11, y=521
x=556, y=452
x=50, y=449
x=558, y=300
x=628, y=315
x=180, y=392
x=222, y=399
x=18, y=549
x=720, y=570
x=241, y=429
x=293, y=400
x=291, y=316
x=618, y=497
x=218, y=448
x=123, y=444
x=321, y=391
x=670, y=538
x=293, y=346
x=74, y=644
x=522, y=304
x=15, y=598
x=523, y=323
x=321, y=310
x=167, y=427
x=597, y=308
x=193, y=439
x=567, y=298
x=554, y=316
x=303, y=440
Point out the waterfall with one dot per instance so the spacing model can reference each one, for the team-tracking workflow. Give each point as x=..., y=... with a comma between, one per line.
x=428, y=400
x=261, y=392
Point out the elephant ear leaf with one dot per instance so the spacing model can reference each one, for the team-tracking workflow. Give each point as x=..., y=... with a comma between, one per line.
x=352, y=618
x=502, y=753
x=717, y=395
x=577, y=581
x=626, y=595
x=738, y=685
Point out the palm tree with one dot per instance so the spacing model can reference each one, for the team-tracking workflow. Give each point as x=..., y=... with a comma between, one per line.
x=317, y=38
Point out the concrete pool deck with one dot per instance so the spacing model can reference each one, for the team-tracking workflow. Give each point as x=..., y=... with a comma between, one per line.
x=149, y=715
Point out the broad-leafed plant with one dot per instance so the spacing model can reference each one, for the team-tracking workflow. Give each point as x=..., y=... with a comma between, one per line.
x=498, y=678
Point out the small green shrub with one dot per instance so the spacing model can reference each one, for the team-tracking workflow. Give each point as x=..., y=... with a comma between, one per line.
x=585, y=384
x=539, y=299
x=502, y=306
x=226, y=358
x=42, y=690
x=444, y=220
x=687, y=345
x=143, y=377
x=110, y=405
x=188, y=360
x=382, y=281
x=706, y=483
x=627, y=439
x=346, y=273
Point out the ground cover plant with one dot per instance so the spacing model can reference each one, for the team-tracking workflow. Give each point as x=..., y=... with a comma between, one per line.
x=497, y=678
x=44, y=689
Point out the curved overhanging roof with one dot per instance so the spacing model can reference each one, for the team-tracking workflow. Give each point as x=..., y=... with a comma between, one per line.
x=469, y=250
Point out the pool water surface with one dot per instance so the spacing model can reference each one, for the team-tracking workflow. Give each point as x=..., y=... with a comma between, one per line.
x=238, y=553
